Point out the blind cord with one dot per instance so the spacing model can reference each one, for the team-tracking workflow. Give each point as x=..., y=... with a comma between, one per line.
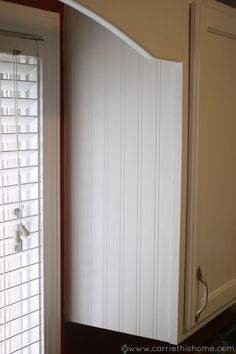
x=15, y=55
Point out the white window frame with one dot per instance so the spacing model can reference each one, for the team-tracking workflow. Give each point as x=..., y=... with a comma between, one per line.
x=27, y=20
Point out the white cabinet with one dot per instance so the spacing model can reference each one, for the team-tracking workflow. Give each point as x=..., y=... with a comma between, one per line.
x=126, y=185
x=212, y=192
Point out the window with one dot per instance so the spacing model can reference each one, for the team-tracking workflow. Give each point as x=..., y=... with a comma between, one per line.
x=35, y=93
x=20, y=206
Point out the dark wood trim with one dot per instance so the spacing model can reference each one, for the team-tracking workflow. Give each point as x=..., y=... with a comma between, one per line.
x=49, y=5
x=231, y=3
x=81, y=339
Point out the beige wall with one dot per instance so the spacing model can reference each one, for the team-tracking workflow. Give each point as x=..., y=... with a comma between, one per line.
x=161, y=27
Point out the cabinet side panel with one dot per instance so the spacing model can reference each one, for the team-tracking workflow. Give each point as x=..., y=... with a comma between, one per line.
x=169, y=197
x=124, y=138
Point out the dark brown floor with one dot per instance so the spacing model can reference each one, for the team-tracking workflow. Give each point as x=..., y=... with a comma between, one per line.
x=82, y=339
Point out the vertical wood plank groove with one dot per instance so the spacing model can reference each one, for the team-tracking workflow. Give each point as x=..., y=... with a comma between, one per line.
x=106, y=187
x=88, y=225
x=72, y=172
x=157, y=191
x=75, y=276
x=122, y=181
x=106, y=157
x=90, y=171
x=155, y=209
x=139, y=193
x=104, y=181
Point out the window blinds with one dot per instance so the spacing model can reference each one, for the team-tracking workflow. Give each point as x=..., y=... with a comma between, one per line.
x=21, y=301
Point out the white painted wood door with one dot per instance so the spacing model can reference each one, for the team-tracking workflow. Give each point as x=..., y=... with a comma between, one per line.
x=212, y=214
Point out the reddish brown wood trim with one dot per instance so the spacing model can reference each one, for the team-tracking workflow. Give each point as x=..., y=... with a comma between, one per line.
x=81, y=339
x=231, y=3
x=49, y=5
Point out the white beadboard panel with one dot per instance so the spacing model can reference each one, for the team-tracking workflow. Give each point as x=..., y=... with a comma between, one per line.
x=149, y=136
x=96, y=173
x=123, y=139
x=131, y=180
x=114, y=157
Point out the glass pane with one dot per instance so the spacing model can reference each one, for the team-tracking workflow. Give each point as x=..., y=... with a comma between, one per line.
x=27, y=158
x=26, y=124
x=21, y=329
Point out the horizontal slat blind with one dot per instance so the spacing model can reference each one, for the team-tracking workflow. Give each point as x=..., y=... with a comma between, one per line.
x=20, y=188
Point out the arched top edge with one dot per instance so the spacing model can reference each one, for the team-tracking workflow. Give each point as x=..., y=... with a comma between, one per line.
x=103, y=22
